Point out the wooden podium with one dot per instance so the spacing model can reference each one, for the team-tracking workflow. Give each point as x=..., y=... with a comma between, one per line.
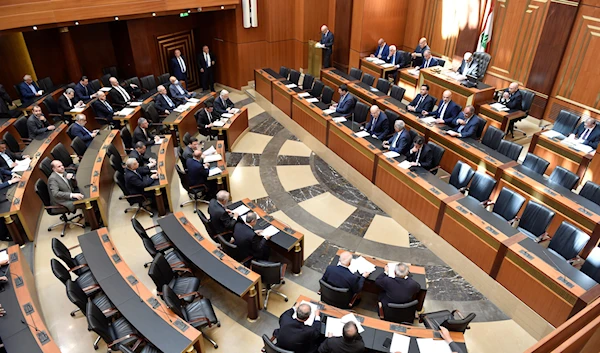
x=315, y=59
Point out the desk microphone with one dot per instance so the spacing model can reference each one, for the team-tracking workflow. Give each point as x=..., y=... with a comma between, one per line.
x=137, y=290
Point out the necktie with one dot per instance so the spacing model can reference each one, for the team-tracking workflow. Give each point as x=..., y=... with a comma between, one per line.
x=427, y=63
x=86, y=90
x=207, y=58
x=66, y=181
x=180, y=89
x=181, y=64
x=209, y=116
x=145, y=135
x=107, y=106
x=373, y=125
x=69, y=100
x=394, y=59
x=419, y=102
x=168, y=100
x=396, y=139
x=8, y=160
x=585, y=134
x=419, y=154
x=463, y=126
x=86, y=130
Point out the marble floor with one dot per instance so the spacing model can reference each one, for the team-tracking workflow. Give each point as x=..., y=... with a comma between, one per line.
x=303, y=184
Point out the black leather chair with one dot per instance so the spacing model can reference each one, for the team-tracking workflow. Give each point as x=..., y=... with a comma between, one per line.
x=356, y=73
x=383, y=85
x=591, y=191
x=79, y=147
x=186, y=138
x=196, y=193
x=508, y=204
x=447, y=319
x=233, y=251
x=565, y=122
x=46, y=167
x=483, y=60
x=105, y=80
x=295, y=76
x=60, y=152
x=526, y=103
x=135, y=81
x=95, y=85
x=307, y=82
x=137, y=200
x=162, y=274
x=591, y=266
x=441, y=62
x=397, y=93
x=535, y=221
x=368, y=79
x=317, y=89
x=148, y=82
x=361, y=112
x=438, y=153
x=42, y=85
x=510, y=149
x=86, y=281
x=52, y=108
x=127, y=139
x=461, y=175
x=21, y=127
x=154, y=118
x=116, y=163
x=480, y=125
x=535, y=163
x=492, y=137
x=284, y=71
x=159, y=239
x=270, y=347
x=70, y=132
x=341, y=298
x=399, y=313
x=11, y=142
x=392, y=117
x=173, y=257
x=112, y=150
x=180, y=156
x=481, y=187
x=112, y=71
x=76, y=264
x=564, y=177
x=568, y=241
x=117, y=334
x=327, y=95
x=271, y=275
x=78, y=297
x=162, y=79
x=41, y=189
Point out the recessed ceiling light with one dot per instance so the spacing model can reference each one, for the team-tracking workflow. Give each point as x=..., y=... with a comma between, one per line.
x=116, y=18
x=154, y=14
x=35, y=28
x=222, y=7
x=76, y=23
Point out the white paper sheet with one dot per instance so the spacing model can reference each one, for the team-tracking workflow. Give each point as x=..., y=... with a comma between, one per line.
x=304, y=94
x=329, y=111
x=291, y=85
x=370, y=59
x=404, y=165
x=334, y=327
x=194, y=100
x=227, y=115
x=387, y=66
x=373, y=89
x=214, y=171
x=361, y=265
x=3, y=255
x=429, y=345
x=105, y=89
x=241, y=210
x=391, y=154
x=312, y=100
x=126, y=111
x=414, y=72
x=270, y=231
x=350, y=317
x=234, y=110
x=21, y=165
x=209, y=151
x=392, y=269
x=218, y=123
x=499, y=107
x=400, y=343
x=551, y=134
x=77, y=110
x=362, y=134
x=159, y=141
x=428, y=120
x=313, y=310
x=340, y=119
x=583, y=148
x=135, y=104
x=41, y=92
x=379, y=61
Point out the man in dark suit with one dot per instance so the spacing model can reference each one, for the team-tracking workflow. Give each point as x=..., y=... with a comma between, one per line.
x=423, y=101
x=350, y=342
x=378, y=126
x=8, y=159
x=197, y=172
x=327, y=44
x=163, y=103
x=5, y=105
x=587, y=133
x=222, y=219
x=294, y=335
x=60, y=188
x=249, y=241
x=136, y=181
x=119, y=95
x=204, y=119
x=400, y=141
x=382, y=50
x=420, y=155
x=447, y=110
x=417, y=55
x=512, y=97
x=83, y=92
x=347, y=102
x=179, y=66
x=102, y=108
x=78, y=130
x=29, y=91
x=179, y=94
x=340, y=276
x=206, y=63
x=37, y=124
x=401, y=289
x=222, y=104
x=192, y=146
x=468, y=66
x=428, y=60
x=145, y=163
x=66, y=102
x=141, y=133
x=395, y=58
x=468, y=124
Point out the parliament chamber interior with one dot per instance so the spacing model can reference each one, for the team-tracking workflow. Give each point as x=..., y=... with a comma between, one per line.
x=299, y=176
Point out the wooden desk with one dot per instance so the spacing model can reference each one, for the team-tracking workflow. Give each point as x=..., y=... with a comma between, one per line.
x=185, y=121
x=208, y=258
x=311, y=118
x=165, y=165
x=559, y=154
x=150, y=317
x=263, y=79
x=499, y=119
x=282, y=96
x=131, y=120
x=222, y=164
x=88, y=111
x=23, y=328
x=366, y=94
x=461, y=95
x=40, y=101
x=234, y=128
x=409, y=82
x=375, y=70
x=334, y=78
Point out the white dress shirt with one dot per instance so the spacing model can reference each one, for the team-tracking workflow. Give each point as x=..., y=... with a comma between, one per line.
x=181, y=64
x=207, y=60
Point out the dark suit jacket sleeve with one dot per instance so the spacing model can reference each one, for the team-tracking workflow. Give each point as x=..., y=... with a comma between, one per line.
x=358, y=284
x=427, y=105
x=415, y=101
x=328, y=40
x=324, y=348
x=227, y=220
x=515, y=101
x=32, y=127
x=80, y=93
x=437, y=112
x=79, y=132
x=427, y=159
x=385, y=128
x=26, y=92
x=138, y=183
x=470, y=129
x=403, y=143
x=138, y=135
x=455, y=348
x=161, y=104
x=63, y=105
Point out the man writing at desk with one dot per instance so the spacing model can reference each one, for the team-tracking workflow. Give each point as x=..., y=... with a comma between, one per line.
x=401, y=289
x=420, y=155
x=468, y=67
x=447, y=110
x=378, y=127
x=350, y=342
x=587, y=133
x=468, y=123
x=340, y=276
x=222, y=104
x=249, y=241
x=400, y=141
x=145, y=163
x=346, y=103
x=136, y=180
x=37, y=124
x=141, y=133
x=382, y=50
x=78, y=130
x=8, y=158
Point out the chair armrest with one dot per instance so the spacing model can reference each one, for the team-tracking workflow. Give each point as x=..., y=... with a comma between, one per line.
x=434, y=168
x=154, y=226
x=90, y=289
x=380, y=307
x=199, y=186
x=78, y=267
x=183, y=269
x=354, y=299
x=199, y=320
x=457, y=312
x=163, y=246
x=195, y=294
x=58, y=207
x=543, y=237
x=283, y=268
x=73, y=247
x=132, y=196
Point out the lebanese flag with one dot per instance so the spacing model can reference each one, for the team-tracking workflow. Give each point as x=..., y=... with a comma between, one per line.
x=485, y=34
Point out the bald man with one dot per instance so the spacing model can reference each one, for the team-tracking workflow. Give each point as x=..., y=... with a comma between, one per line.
x=222, y=219
x=327, y=42
x=417, y=55
x=447, y=110
x=512, y=97
x=119, y=95
x=59, y=186
x=102, y=108
x=382, y=50
x=378, y=127
x=163, y=103
x=294, y=335
x=340, y=276
x=468, y=66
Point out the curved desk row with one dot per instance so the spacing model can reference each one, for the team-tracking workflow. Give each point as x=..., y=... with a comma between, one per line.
x=185, y=121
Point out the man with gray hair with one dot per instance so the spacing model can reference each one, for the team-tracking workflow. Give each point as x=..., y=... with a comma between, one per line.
x=78, y=130
x=399, y=288
x=66, y=102
x=512, y=97
x=587, y=133
x=395, y=58
x=60, y=188
x=350, y=342
x=29, y=91
x=136, y=180
x=222, y=104
x=294, y=334
x=249, y=241
x=382, y=50
x=399, y=142
x=141, y=133
x=378, y=127
x=340, y=276
x=163, y=103
x=428, y=60
x=468, y=124
x=222, y=219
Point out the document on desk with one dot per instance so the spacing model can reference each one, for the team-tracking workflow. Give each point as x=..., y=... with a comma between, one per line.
x=312, y=100
x=227, y=115
x=379, y=61
x=180, y=109
x=361, y=265
x=351, y=318
x=4, y=256
x=21, y=165
x=194, y=100
x=499, y=107
x=291, y=85
x=362, y=134
x=234, y=110
x=313, y=310
x=414, y=72
x=387, y=66
x=334, y=327
x=105, y=89
x=241, y=210
x=391, y=154
x=269, y=231
x=429, y=345
x=392, y=269
x=126, y=111
x=214, y=171
x=552, y=134
x=329, y=111
x=340, y=119
x=428, y=120
x=210, y=151
x=400, y=343
x=159, y=141
x=373, y=89
x=77, y=110
x=218, y=123
x=213, y=158
x=404, y=165
x=304, y=94
x=135, y=104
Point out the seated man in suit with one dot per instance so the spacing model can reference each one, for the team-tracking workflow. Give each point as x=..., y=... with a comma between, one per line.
x=204, y=120
x=136, y=180
x=294, y=335
x=78, y=130
x=179, y=66
x=179, y=94
x=5, y=104
x=222, y=104
x=468, y=66
x=249, y=241
x=420, y=155
x=468, y=124
x=417, y=55
x=400, y=141
x=163, y=103
x=60, y=188
x=347, y=102
x=8, y=159
x=587, y=133
x=197, y=172
x=382, y=50
x=37, y=124
x=102, y=108
x=340, y=276
x=29, y=91
x=401, y=289
x=395, y=58
x=141, y=133
x=512, y=97
x=192, y=146
x=428, y=60
x=350, y=342
x=378, y=126
x=119, y=95
x=423, y=101
x=447, y=110
x=83, y=92
x=145, y=163
x=66, y=102
x=222, y=219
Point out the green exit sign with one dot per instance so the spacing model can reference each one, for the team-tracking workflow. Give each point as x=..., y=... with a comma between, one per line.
x=184, y=14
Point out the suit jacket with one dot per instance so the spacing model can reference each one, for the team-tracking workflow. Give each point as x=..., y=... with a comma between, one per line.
x=515, y=101
x=60, y=192
x=470, y=129
x=381, y=128
x=36, y=127
x=178, y=97
x=403, y=144
x=346, y=105
x=180, y=75
x=248, y=242
x=64, y=106
x=102, y=111
x=471, y=70
x=384, y=53
x=295, y=336
x=27, y=95
x=425, y=158
x=136, y=183
x=592, y=139
x=83, y=92
x=452, y=110
x=220, y=219
x=220, y=108
x=432, y=62
x=80, y=131
x=341, y=277
x=142, y=161
x=327, y=40
x=161, y=104
x=339, y=345
x=117, y=98
x=196, y=172
x=454, y=347
x=138, y=135
x=14, y=156
x=187, y=153
x=397, y=290
x=395, y=59
x=202, y=118
x=202, y=63
x=427, y=104
x=419, y=60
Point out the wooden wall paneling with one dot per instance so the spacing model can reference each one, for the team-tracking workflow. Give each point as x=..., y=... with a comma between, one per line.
x=383, y=18
x=316, y=14
x=70, y=54
x=16, y=61
x=227, y=67
x=95, y=48
x=254, y=55
x=414, y=29
x=46, y=55
x=278, y=19
x=281, y=53
x=185, y=42
x=144, y=57
x=440, y=42
x=342, y=32
x=119, y=35
x=358, y=9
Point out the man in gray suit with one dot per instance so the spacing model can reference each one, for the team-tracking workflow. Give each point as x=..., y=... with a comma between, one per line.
x=178, y=93
x=61, y=192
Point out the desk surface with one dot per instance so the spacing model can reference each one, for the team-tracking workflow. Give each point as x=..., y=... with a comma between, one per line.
x=86, y=174
x=474, y=208
x=433, y=71
x=272, y=72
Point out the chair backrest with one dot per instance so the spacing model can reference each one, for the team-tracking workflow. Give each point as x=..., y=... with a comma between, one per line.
x=356, y=73
x=150, y=112
x=536, y=218
x=112, y=150
x=59, y=271
x=441, y=62
x=527, y=100
x=11, y=142
x=21, y=126
x=76, y=295
x=119, y=179
x=270, y=272
x=564, y=177
x=295, y=76
x=308, y=81
x=565, y=122
x=172, y=300
x=568, y=241
x=97, y=322
x=482, y=186
x=383, y=85
x=317, y=89
x=180, y=156
x=70, y=131
x=164, y=78
x=535, y=163
x=105, y=80
x=270, y=347
x=112, y=71
x=230, y=249
x=18, y=90
x=60, y=152
x=327, y=95
x=338, y=297
x=134, y=80
x=186, y=138
x=400, y=313
x=206, y=223
x=483, y=60
x=508, y=204
x=46, y=166
x=41, y=189
x=42, y=85
x=50, y=104
x=160, y=271
x=591, y=191
x=458, y=325
x=406, y=58
x=126, y=137
x=510, y=149
x=368, y=79
x=95, y=85
x=148, y=82
x=361, y=112
x=78, y=146
x=62, y=252
x=397, y=92
x=392, y=116
x=438, y=153
x=183, y=178
x=116, y=163
x=461, y=175
x=480, y=126
x=492, y=137
x=139, y=229
x=284, y=71
x=591, y=266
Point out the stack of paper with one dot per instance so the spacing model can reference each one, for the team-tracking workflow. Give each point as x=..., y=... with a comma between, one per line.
x=313, y=310
x=105, y=89
x=241, y=210
x=429, y=345
x=552, y=134
x=234, y=110
x=218, y=123
x=135, y=104
x=21, y=165
x=312, y=100
x=329, y=111
x=209, y=151
x=291, y=85
x=428, y=120
x=373, y=89
x=3, y=256
x=387, y=66
x=194, y=100
x=378, y=61
x=40, y=92
x=227, y=115
x=212, y=158
x=361, y=265
x=340, y=119
x=370, y=59
x=180, y=109
x=391, y=154
x=334, y=327
x=77, y=110
x=214, y=171
x=270, y=231
x=304, y=94
x=159, y=141
x=392, y=269
x=351, y=318
x=126, y=111
x=400, y=343
x=362, y=134
x=404, y=165
x=583, y=148
x=414, y=72
x=499, y=107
